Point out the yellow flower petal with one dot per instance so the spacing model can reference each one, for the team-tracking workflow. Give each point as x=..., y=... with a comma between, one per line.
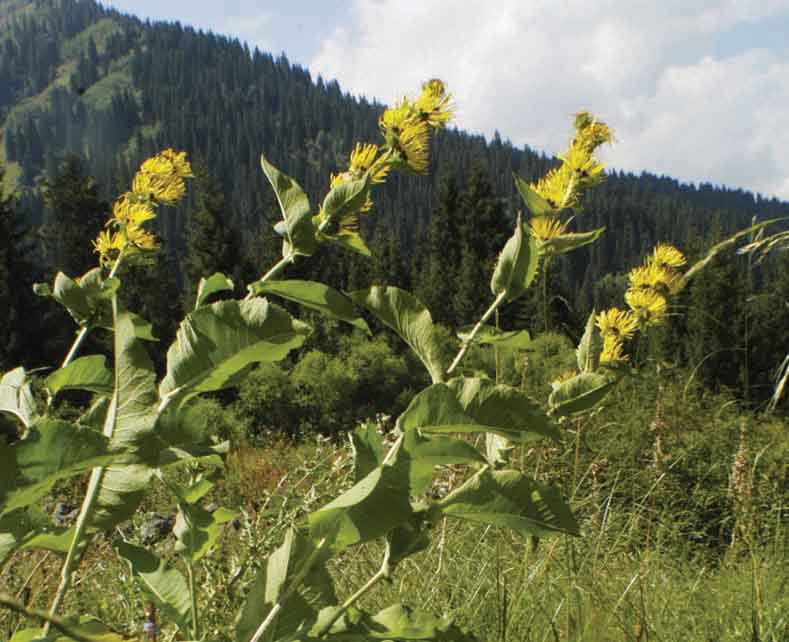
x=617, y=323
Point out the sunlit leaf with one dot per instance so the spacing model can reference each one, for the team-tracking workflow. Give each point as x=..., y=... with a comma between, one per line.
x=517, y=265
x=298, y=228
x=315, y=296
x=535, y=203
x=572, y=241
x=406, y=315
x=509, y=499
x=579, y=394
x=16, y=396
x=505, y=339
x=590, y=347
x=86, y=373
x=215, y=283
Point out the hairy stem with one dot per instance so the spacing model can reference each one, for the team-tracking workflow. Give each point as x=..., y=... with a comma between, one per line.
x=368, y=585
x=470, y=339
x=193, y=595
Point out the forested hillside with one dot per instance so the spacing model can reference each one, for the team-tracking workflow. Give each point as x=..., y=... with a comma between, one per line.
x=77, y=78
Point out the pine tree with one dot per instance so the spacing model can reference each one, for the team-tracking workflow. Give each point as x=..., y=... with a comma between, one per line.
x=12, y=283
x=212, y=243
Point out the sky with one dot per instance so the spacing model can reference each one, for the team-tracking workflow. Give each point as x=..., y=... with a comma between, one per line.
x=694, y=89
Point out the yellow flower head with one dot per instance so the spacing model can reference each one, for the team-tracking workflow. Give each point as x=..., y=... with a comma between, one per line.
x=590, y=133
x=667, y=256
x=559, y=187
x=654, y=277
x=612, y=351
x=108, y=245
x=617, y=323
x=127, y=210
x=648, y=305
x=434, y=104
x=161, y=177
x=363, y=159
x=395, y=119
x=140, y=238
x=413, y=145
x=545, y=228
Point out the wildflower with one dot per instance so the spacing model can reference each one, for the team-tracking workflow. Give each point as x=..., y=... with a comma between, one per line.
x=648, y=305
x=612, y=351
x=413, y=144
x=655, y=277
x=667, y=256
x=140, y=238
x=161, y=177
x=563, y=377
x=363, y=159
x=127, y=210
x=108, y=245
x=545, y=228
x=590, y=132
x=395, y=119
x=617, y=323
x=434, y=104
x=558, y=187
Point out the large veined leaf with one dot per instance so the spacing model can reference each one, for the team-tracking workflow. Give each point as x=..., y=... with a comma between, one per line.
x=568, y=242
x=426, y=452
x=436, y=409
x=344, y=200
x=215, y=283
x=166, y=585
x=489, y=335
x=16, y=396
x=349, y=240
x=406, y=315
x=86, y=373
x=217, y=344
x=396, y=623
x=407, y=539
x=87, y=299
x=590, y=347
x=52, y=450
x=198, y=529
x=368, y=450
x=274, y=578
x=297, y=226
x=130, y=419
x=184, y=434
x=18, y=525
x=316, y=296
x=579, y=394
x=506, y=410
x=369, y=509
x=535, y=203
x=509, y=499
x=517, y=265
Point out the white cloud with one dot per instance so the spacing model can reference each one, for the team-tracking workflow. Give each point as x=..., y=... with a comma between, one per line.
x=524, y=66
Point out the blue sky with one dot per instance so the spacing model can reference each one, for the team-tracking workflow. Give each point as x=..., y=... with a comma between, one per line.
x=695, y=89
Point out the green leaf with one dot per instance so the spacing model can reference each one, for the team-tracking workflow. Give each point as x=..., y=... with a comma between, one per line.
x=516, y=266
x=503, y=410
x=509, y=499
x=370, y=508
x=590, y=347
x=52, y=450
x=569, y=242
x=489, y=335
x=129, y=421
x=406, y=315
x=535, y=203
x=217, y=282
x=166, y=585
x=86, y=373
x=343, y=200
x=396, y=623
x=425, y=453
x=579, y=394
x=316, y=296
x=436, y=408
x=16, y=396
x=217, y=344
x=273, y=579
x=57, y=540
x=407, y=539
x=299, y=230
x=143, y=328
x=368, y=450
x=86, y=299
x=18, y=526
x=197, y=530
x=497, y=449
x=349, y=240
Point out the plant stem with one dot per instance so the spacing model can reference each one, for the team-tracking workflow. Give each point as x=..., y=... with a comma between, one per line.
x=193, y=595
x=470, y=339
x=381, y=574
x=274, y=271
x=297, y=580
x=92, y=493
